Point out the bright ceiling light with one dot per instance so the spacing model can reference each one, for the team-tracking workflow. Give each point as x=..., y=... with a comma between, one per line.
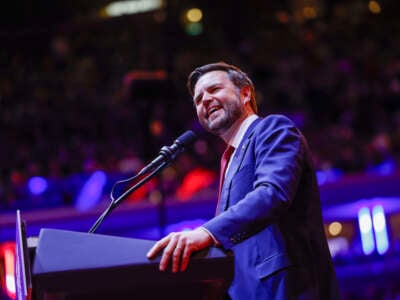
x=194, y=15
x=118, y=8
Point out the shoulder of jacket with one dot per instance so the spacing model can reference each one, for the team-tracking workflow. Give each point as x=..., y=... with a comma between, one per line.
x=273, y=121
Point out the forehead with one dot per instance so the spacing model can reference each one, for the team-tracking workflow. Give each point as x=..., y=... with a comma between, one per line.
x=211, y=78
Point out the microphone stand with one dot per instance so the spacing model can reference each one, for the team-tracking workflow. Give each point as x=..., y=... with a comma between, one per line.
x=122, y=197
x=166, y=155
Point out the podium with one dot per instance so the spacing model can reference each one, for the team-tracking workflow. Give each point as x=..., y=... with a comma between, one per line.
x=76, y=265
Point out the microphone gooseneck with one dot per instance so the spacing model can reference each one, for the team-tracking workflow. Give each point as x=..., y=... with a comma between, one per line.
x=166, y=155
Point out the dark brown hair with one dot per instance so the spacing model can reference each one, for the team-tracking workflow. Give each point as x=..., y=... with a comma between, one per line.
x=237, y=76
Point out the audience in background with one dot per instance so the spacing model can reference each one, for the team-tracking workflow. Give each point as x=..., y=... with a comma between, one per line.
x=70, y=104
x=67, y=108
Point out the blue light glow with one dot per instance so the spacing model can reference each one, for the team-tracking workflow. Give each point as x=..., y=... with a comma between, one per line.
x=185, y=225
x=329, y=175
x=37, y=185
x=365, y=225
x=91, y=192
x=381, y=235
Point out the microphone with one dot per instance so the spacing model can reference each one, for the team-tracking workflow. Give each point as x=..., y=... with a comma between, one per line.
x=169, y=153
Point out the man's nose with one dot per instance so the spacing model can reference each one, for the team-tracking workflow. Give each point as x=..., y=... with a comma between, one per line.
x=207, y=98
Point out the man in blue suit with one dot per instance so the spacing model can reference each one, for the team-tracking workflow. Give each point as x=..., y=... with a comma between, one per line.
x=269, y=211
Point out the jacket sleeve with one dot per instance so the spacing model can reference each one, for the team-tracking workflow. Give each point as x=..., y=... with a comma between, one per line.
x=270, y=174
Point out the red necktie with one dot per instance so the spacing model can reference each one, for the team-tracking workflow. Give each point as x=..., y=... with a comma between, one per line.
x=224, y=163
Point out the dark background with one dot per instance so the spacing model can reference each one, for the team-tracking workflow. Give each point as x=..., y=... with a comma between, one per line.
x=80, y=94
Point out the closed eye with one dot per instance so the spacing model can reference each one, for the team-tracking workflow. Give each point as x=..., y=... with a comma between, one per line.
x=197, y=99
x=212, y=89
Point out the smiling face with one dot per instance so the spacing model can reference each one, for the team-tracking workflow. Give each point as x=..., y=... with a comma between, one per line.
x=220, y=105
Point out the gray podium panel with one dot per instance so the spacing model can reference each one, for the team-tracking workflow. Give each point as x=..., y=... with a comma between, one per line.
x=74, y=265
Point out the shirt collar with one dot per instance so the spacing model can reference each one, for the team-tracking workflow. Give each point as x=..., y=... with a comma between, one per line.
x=238, y=136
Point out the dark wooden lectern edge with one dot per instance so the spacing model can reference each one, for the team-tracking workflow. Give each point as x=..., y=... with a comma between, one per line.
x=125, y=278
x=210, y=268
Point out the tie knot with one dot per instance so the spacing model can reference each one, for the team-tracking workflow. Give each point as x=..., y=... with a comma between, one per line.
x=227, y=153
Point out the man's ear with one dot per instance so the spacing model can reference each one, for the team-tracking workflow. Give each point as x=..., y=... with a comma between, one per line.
x=245, y=94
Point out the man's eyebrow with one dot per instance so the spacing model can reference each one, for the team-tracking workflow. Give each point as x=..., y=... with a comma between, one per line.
x=214, y=84
x=211, y=86
x=196, y=98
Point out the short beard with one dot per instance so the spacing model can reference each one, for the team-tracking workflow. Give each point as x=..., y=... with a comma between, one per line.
x=232, y=114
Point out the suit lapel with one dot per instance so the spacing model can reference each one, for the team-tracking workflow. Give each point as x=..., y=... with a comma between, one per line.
x=235, y=165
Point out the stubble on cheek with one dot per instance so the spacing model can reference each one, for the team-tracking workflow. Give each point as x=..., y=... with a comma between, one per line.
x=226, y=118
x=217, y=125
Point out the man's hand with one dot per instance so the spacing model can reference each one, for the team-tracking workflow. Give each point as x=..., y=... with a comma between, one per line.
x=179, y=246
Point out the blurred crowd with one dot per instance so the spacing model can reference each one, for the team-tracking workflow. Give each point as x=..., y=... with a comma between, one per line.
x=108, y=97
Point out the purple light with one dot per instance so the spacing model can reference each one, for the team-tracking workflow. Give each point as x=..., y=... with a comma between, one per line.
x=326, y=176
x=349, y=211
x=185, y=225
x=37, y=185
x=387, y=167
x=91, y=192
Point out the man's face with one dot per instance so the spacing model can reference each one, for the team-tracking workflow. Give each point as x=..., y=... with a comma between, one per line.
x=218, y=102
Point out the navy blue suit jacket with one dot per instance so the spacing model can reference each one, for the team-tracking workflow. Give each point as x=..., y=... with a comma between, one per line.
x=270, y=217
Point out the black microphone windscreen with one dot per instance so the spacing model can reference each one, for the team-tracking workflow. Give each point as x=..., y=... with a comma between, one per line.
x=186, y=138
